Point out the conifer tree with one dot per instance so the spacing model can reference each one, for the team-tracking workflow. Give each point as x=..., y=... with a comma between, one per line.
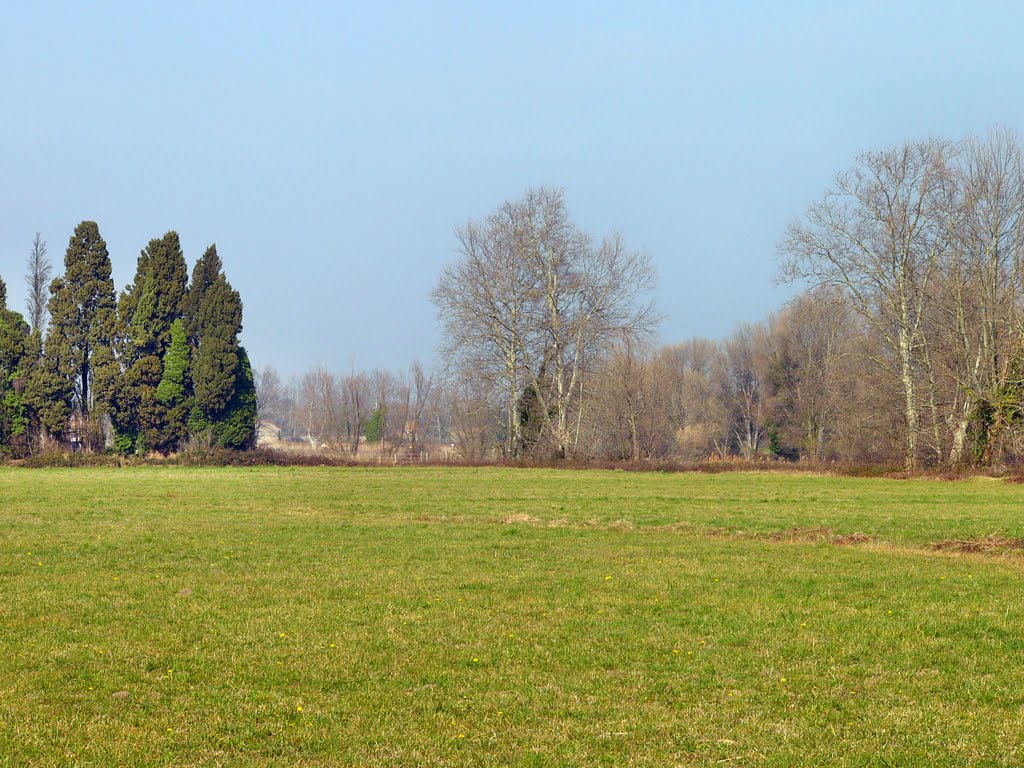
x=173, y=383
x=221, y=374
x=146, y=312
x=15, y=358
x=81, y=366
x=162, y=361
x=157, y=294
x=236, y=427
x=204, y=274
x=218, y=323
x=173, y=390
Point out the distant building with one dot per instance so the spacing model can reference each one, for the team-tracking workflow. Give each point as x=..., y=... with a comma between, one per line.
x=268, y=433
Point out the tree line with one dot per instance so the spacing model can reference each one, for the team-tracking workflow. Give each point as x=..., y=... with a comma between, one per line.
x=138, y=372
x=903, y=345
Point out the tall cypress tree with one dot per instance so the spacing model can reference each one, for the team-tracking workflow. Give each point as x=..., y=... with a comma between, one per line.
x=79, y=356
x=161, y=279
x=236, y=427
x=22, y=397
x=204, y=274
x=221, y=374
x=14, y=332
x=14, y=354
x=147, y=311
x=215, y=364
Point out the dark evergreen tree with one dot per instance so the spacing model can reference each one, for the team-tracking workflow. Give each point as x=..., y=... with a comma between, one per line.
x=236, y=427
x=173, y=383
x=16, y=358
x=161, y=362
x=156, y=297
x=80, y=362
x=375, y=426
x=147, y=310
x=204, y=274
x=45, y=393
x=224, y=404
x=215, y=364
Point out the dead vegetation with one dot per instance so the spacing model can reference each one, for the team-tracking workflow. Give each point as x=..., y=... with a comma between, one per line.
x=819, y=534
x=993, y=543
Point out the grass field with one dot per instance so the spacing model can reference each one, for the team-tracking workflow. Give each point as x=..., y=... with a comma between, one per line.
x=428, y=616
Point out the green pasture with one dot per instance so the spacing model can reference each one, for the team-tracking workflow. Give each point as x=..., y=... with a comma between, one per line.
x=450, y=617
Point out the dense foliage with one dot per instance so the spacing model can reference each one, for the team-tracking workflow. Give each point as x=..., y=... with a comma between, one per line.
x=136, y=374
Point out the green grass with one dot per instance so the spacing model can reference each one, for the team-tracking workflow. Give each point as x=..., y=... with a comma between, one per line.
x=445, y=617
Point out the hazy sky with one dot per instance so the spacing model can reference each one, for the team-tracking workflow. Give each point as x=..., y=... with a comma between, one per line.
x=329, y=150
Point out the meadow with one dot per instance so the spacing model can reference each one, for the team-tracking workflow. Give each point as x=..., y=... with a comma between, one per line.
x=491, y=616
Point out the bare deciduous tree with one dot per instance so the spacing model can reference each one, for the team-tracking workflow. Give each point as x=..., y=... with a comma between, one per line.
x=356, y=395
x=630, y=417
x=413, y=397
x=472, y=415
x=530, y=302
x=698, y=408
x=320, y=404
x=746, y=363
x=879, y=234
x=484, y=300
x=271, y=396
x=979, y=294
x=37, y=280
x=810, y=345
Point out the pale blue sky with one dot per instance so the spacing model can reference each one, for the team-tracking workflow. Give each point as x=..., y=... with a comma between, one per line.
x=329, y=151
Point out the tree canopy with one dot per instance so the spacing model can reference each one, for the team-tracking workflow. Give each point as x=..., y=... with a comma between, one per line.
x=118, y=373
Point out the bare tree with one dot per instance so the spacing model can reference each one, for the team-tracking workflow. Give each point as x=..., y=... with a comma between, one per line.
x=746, y=358
x=699, y=407
x=484, y=299
x=383, y=390
x=980, y=292
x=413, y=393
x=810, y=343
x=271, y=396
x=879, y=234
x=630, y=404
x=530, y=302
x=473, y=416
x=320, y=406
x=37, y=280
x=356, y=395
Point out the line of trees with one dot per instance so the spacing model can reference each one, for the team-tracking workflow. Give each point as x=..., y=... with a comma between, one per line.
x=904, y=345
x=137, y=373
x=924, y=242
x=378, y=412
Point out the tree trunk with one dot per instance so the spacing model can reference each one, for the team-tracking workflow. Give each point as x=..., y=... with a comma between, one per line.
x=910, y=401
